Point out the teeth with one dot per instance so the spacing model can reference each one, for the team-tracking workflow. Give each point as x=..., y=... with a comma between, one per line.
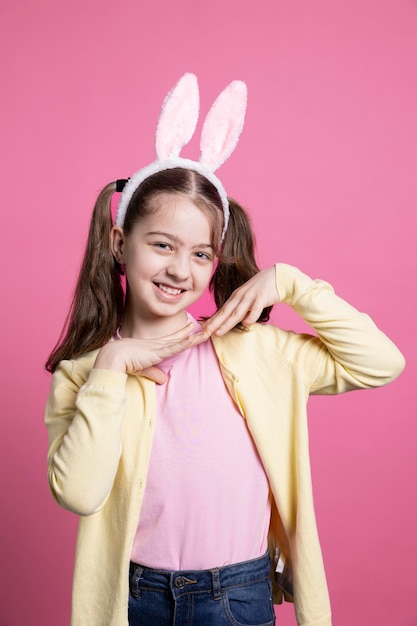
x=170, y=290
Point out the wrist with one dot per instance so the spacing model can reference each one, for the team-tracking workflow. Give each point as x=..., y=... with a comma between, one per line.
x=109, y=358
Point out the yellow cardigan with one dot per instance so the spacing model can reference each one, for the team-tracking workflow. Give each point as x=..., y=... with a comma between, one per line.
x=101, y=423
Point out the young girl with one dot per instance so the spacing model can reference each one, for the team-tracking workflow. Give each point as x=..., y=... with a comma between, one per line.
x=182, y=445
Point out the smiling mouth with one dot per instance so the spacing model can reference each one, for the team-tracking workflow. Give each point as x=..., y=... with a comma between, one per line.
x=170, y=290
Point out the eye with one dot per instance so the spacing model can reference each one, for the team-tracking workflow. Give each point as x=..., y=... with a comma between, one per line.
x=162, y=246
x=204, y=256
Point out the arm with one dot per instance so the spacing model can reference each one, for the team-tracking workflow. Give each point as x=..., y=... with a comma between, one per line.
x=85, y=413
x=350, y=352
x=84, y=421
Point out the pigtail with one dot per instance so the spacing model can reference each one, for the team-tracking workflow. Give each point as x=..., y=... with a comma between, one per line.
x=97, y=306
x=237, y=258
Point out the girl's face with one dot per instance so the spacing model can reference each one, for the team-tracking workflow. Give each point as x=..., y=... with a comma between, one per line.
x=169, y=260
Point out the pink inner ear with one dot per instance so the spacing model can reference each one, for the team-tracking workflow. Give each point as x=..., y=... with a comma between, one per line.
x=178, y=118
x=223, y=125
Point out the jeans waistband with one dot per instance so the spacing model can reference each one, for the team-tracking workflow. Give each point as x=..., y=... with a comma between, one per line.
x=186, y=581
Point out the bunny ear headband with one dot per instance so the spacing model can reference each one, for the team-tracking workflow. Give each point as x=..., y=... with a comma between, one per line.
x=176, y=125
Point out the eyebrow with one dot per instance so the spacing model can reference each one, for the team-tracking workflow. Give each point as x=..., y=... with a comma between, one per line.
x=176, y=239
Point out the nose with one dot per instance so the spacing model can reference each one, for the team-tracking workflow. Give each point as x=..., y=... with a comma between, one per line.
x=179, y=267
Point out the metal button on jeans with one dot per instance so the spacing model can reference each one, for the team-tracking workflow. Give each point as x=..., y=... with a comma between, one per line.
x=179, y=582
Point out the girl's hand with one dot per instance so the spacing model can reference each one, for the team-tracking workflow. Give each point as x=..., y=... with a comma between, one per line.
x=246, y=303
x=139, y=356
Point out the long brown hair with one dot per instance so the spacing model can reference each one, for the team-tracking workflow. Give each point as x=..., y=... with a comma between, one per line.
x=98, y=302
x=237, y=258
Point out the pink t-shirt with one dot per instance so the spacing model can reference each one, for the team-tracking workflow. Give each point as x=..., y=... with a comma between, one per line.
x=207, y=500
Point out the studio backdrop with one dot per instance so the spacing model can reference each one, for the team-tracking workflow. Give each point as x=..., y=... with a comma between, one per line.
x=327, y=167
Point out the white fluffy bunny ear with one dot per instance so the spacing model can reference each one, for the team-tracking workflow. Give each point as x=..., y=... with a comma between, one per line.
x=178, y=118
x=223, y=125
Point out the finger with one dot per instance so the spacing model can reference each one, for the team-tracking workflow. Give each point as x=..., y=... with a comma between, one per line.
x=199, y=337
x=226, y=311
x=215, y=324
x=155, y=374
x=186, y=343
x=228, y=318
x=253, y=315
x=174, y=347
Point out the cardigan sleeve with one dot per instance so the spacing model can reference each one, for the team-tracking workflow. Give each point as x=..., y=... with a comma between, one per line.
x=84, y=417
x=349, y=352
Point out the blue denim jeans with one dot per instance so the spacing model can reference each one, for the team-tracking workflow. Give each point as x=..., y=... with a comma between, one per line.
x=234, y=595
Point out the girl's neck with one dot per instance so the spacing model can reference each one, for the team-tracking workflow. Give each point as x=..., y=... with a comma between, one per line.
x=152, y=328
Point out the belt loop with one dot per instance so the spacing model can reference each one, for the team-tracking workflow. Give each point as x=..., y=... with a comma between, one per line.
x=134, y=580
x=215, y=580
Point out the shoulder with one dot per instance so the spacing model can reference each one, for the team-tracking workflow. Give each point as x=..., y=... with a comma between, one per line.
x=262, y=338
x=78, y=375
x=266, y=353
x=76, y=370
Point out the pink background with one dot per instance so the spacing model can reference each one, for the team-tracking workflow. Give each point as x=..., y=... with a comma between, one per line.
x=327, y=164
